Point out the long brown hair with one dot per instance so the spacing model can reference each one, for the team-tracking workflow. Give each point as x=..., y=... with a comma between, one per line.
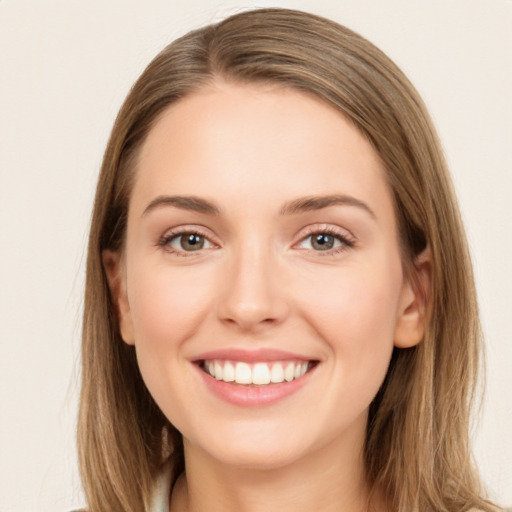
x=417, y=447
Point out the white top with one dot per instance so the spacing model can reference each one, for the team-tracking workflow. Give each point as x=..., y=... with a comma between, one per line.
x=161, y=492
x=162, y=489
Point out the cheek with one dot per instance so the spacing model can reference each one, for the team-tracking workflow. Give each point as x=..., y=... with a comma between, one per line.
x=356, y=300
x=356, y=316
x=165, y=305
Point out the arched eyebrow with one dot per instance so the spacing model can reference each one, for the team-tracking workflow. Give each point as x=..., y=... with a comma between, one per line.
x=309, y=203
x=302, y=204
x=192, y=203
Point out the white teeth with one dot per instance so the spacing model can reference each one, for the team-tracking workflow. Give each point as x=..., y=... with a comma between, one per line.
x=228, y=375
x=243, y=374
x=218, y=370
x=277, y=373
x=259, y=374
x=289, y=372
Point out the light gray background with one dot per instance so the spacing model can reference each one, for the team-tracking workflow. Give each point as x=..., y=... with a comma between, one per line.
x=65, y=68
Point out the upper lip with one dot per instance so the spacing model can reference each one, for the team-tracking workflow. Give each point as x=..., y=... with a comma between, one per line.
x=251, y=356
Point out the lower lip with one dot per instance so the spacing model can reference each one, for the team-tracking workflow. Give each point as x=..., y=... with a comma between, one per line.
x=253, y=396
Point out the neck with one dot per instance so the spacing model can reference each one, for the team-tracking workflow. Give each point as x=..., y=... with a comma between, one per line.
x=330, y=479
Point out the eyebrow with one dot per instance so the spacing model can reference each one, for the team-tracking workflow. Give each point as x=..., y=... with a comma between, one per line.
x=310, y=203
x=191, y=203
x=302, y=204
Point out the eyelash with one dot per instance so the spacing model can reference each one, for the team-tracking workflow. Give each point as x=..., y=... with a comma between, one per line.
x=347, y=242
x=166, y=239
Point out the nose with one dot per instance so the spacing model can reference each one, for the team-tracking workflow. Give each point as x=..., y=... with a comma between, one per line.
x=253, y=294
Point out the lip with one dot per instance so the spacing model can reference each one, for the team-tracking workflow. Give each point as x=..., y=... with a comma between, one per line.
x=252, y=356
x=252, y=395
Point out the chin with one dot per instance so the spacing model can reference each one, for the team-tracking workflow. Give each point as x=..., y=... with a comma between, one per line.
x=258, y=459
x=257, y=446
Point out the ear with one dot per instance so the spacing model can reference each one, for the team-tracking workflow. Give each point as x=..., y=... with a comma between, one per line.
x=114, y=269
x=414, y=302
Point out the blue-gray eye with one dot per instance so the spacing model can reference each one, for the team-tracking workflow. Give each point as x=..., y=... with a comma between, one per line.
x=322, y=242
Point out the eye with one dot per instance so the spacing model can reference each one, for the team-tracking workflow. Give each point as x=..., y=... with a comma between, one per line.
x=323, y=241
x=326, y=241
x=189, y=241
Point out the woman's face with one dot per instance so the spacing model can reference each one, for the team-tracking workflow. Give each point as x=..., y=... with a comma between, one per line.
x=262, y=281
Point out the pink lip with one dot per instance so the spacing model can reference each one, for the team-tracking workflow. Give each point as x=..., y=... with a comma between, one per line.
x=250, y=395
x=250, y=356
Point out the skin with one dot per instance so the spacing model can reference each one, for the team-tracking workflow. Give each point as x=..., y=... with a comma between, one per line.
x=258, y=282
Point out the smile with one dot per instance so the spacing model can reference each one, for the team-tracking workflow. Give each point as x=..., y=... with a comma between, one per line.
x=254, y=378
x=257, y=373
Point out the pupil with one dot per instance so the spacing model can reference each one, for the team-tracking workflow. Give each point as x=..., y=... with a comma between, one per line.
x=192, y=242
x=323, y=242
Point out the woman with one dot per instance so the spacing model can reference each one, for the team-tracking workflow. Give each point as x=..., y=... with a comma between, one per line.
x=280, y=310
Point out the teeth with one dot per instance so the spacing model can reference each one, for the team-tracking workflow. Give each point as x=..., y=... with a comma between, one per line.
x=289, y=372
x=277, y=373
x=228, y=374
x=217, y=368
x=258, y=374
x=243, y=374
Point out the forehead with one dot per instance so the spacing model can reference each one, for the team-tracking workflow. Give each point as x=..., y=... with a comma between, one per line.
x=258, y=143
